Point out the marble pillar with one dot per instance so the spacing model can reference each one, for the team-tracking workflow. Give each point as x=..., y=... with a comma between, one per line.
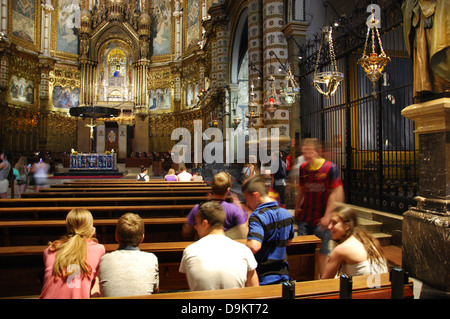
x=100, y=141
x=123, y=141
x=426, y=227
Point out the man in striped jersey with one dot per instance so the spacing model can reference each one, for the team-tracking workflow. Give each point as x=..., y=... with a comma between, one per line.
x=320, y=188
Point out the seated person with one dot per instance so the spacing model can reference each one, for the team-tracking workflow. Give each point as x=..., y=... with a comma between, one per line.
x=184, y=175
x=358, y=252
x=216, y=261
x=171, y=177
x=143, y=176
x=72, y=263
x=128, y=271
x=236, y=219
x=197, y=177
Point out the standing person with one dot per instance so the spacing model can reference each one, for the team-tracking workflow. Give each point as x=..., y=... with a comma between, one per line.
x=216, y=261
x=320, y=187
x=72, y=263
x=279, y=178
x=143, y=176
x=128, y=271
x=358, y=252
x=24, y=170
x=271, y=230
x=184, y=175
x=235, y=224
x=40, y=174
x=5, y=167
x=171, y=177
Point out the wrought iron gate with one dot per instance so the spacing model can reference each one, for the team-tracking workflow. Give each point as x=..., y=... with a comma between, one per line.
x=364, y=133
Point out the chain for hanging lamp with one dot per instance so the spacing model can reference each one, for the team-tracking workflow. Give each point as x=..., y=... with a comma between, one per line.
x=374, y=63
x=291, y=89
x=332, y=78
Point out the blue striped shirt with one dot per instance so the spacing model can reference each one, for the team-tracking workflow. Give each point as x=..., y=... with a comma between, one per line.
x=273, y=227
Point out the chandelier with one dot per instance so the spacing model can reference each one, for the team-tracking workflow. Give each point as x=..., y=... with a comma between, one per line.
x=332, y=78
x=271, y=104
x=374, y=63
x=291, y=89
x=252, y=113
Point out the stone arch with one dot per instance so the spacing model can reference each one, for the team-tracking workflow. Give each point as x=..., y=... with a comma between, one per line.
x=114, y=30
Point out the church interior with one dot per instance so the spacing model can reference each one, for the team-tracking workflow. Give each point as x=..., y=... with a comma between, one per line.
x=105, y=86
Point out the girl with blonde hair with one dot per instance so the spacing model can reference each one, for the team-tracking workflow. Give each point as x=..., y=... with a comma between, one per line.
x=171, y=177
x=358, y=252
x=72, y=263
x=24, y=170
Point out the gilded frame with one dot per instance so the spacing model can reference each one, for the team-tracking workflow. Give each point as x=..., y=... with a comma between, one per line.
x=54, y=35
x=36, y=45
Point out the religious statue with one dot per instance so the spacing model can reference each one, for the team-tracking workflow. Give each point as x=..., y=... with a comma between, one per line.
x=427, y=38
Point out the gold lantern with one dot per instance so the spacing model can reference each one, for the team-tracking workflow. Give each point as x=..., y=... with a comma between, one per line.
x=373, y=64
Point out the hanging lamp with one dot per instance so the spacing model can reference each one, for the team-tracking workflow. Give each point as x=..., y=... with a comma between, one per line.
x=291, y=89
x=374, y=63
x=271, y=104
x=332, y=78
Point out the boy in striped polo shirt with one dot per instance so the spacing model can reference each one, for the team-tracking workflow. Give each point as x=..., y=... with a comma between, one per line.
x=271, y=229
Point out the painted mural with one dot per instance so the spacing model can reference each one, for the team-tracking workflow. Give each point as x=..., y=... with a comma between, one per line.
x=68, y=20
x=65, y=97
x=24, y=15
x=21, y=90
x=192, y=23
x=161, y=26
x=159, y=99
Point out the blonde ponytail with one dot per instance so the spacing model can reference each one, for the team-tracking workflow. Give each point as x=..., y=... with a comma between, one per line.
x=72, y=249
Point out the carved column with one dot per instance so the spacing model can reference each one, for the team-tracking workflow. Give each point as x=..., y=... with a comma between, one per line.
x=178, y=14
x=46, y=64
x=47, y=8
x=219, y=46
x=255, y=57
x=426, y=228
x=274, y=41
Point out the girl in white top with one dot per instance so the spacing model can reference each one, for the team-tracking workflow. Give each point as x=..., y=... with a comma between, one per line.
x=358, y=252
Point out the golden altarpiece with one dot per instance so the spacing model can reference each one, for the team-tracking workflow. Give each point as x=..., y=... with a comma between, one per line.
x=97, y=75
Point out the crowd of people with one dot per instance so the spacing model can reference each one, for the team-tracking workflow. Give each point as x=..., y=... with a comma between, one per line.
x=34, y=174
x=78, y=267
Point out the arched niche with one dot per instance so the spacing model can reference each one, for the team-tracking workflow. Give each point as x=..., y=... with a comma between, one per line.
x=114, y=77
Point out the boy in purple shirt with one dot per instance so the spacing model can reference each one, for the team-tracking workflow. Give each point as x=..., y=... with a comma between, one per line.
x=235, y=218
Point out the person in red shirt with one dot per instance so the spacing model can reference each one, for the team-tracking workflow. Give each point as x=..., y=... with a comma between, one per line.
x=320, y=188
x=72, y=263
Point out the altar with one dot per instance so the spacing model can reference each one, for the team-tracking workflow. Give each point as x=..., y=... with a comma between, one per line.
x=93, y=162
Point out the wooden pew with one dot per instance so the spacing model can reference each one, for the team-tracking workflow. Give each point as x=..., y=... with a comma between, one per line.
x=130, y=185
x=48, y=193
x=40, y=232
x=123, y=189
x=101, y=201
x=24, y=213
x=21, y=267
x=316, y=289
x=130, y=181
